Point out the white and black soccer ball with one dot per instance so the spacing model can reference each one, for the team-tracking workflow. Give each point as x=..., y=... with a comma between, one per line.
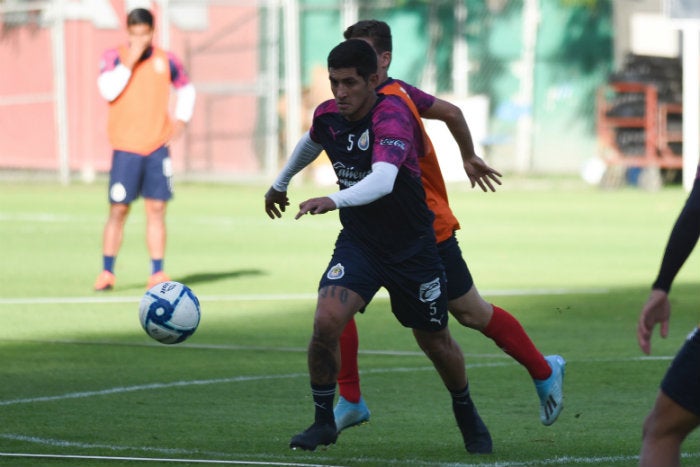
x=169, y=312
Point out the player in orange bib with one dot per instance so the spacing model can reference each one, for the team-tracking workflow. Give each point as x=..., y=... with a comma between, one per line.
x=136, y=80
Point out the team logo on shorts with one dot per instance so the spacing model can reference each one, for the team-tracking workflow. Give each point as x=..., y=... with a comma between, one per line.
x=336, y=272
x=117, y=193
x=363, y=142
x=430, y=291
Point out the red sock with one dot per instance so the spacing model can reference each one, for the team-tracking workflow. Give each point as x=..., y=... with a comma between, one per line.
x=349, y=375
x=509, y=335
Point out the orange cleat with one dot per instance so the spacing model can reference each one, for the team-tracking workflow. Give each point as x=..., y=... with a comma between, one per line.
x=157, y=278
x=105, y=281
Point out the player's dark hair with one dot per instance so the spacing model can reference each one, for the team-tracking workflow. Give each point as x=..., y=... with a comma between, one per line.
x=378, y=32
x=139, y=16
x=354, y=53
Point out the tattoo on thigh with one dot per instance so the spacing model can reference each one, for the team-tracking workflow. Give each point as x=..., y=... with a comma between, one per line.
x=341, y=293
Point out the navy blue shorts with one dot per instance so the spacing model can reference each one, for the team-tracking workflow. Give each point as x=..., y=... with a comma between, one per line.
x=133, y=175
x=459, y=279
x=682, y=380
x=416, y=286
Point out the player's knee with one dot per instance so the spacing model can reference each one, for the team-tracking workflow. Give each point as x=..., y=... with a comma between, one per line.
x=118, y=213
x=434, y=344
x=475, y=315
x=328, y=325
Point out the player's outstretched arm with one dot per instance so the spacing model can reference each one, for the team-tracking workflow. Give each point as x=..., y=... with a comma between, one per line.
x=275, y=202
x=657, y=309
x=477, y=170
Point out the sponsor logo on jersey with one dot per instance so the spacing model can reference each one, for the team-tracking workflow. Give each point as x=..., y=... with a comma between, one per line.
x=348, y=176
x=393, y=142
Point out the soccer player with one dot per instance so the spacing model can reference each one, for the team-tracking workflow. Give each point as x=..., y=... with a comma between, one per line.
x=676, y=411
x=386, y=240
x=465, y=302
x=136, y=79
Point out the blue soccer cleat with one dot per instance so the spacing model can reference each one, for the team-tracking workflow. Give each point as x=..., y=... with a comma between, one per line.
x=551, y=390
x=349, y=414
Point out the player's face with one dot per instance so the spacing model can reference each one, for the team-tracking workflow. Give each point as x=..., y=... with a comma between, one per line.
x=353, y=95
x=140, y=36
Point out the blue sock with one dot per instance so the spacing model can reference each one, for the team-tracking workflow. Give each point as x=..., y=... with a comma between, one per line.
x=156, y=265
x=108, y=263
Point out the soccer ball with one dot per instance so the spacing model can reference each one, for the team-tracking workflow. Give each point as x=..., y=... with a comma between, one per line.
x=169, y=312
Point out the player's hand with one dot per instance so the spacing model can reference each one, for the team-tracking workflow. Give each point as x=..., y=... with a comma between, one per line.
x=315, y=206
x=480, y=173
x=657, y=309
x=137, y=46
x=273, y=199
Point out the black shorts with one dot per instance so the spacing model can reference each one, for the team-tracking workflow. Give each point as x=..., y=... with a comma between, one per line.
x=682, y=380
x=416, y=285
x=459, y=279
x=133, y=175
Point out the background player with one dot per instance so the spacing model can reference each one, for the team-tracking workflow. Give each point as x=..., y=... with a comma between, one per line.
x=136, y=79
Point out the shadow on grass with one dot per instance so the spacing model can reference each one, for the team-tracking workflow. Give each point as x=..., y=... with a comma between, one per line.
x=203, y=277
x=191, y=280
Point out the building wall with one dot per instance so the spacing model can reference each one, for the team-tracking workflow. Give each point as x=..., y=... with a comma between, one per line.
x=221, y=59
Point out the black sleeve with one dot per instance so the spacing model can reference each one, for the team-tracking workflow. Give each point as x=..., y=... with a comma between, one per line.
x=683, y=238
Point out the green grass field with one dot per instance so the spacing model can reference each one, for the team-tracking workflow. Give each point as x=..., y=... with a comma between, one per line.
x=81, y=383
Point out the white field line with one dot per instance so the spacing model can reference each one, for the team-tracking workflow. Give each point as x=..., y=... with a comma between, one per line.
x=255, y=348
x=563, y=460
x=160, y=459
x=239, y=379
x=280, y=297
x=206, y=382
x=557, y=461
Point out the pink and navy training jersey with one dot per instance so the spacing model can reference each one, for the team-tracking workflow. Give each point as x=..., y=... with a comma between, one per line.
x=395, y=226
